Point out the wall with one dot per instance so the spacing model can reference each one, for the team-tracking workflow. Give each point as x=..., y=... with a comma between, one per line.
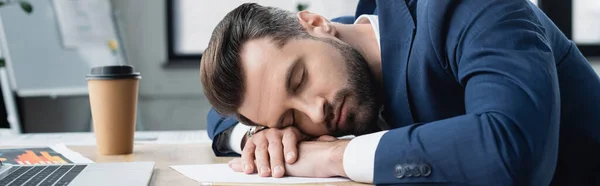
x=170, y=99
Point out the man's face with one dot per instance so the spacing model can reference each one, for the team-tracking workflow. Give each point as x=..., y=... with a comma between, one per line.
x=320, y=85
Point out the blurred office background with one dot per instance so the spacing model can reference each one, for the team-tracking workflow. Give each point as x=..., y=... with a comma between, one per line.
x=164, y=40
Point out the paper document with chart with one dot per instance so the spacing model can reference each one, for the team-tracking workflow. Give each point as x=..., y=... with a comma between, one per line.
x=56, y=154
x=221, y=173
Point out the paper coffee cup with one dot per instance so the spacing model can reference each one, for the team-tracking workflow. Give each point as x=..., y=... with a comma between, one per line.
x=113, y=92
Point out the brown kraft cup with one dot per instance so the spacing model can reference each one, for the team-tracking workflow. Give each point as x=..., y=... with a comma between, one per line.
x=113, y=92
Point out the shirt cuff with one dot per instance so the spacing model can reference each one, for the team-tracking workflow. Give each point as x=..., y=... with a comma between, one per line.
x=359, y=157
x=235, y=139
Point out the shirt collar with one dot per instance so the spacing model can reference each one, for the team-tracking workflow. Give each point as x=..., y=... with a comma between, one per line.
x=374, y=21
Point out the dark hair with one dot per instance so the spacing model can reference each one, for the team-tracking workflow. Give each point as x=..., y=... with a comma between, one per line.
x=220, y=69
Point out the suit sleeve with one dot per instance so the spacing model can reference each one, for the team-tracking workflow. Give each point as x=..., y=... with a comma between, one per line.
x=509, y=132
x=219, y=129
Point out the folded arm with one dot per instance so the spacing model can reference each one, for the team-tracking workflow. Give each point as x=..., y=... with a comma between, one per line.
x=509, y=134
x=221, y=130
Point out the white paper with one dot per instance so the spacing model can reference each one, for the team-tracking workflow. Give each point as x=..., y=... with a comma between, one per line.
x=221, y=173
x=75, y=157
x=84, y=23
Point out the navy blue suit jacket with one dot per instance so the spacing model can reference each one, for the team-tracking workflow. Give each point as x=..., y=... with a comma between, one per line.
x=480, y=91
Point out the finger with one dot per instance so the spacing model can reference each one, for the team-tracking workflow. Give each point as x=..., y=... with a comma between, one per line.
x=229, y=163
x=276, y=156
x=326, y=138
x=235, y=160
x=248, y=157
x=261, y=154
x=236, y=165
x=290, y=142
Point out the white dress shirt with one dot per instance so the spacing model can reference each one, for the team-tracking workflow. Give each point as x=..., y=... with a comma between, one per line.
x=235, y=139
x=359, y=156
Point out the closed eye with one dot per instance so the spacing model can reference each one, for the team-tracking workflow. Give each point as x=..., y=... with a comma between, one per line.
x=301, y=82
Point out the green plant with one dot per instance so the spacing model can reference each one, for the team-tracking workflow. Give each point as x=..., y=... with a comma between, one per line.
x=302, y=6
x=25, y=5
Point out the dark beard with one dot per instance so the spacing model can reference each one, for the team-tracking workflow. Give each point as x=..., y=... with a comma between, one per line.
x=362, y=87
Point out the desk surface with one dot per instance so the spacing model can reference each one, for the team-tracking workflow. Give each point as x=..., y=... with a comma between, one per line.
x=166, y=155
x=169, y=148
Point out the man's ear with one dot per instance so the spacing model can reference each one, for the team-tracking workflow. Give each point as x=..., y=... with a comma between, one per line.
x=316, y=24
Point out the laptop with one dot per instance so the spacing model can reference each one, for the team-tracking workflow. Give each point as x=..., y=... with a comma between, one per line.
x=94, y=174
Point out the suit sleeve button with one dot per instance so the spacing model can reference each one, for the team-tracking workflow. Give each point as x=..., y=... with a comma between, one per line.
x=408, y=171
x=425, y=170
x=414, y=169
x=399, y=171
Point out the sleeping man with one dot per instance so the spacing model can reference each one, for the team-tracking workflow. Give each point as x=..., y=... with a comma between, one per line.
x=436, y=92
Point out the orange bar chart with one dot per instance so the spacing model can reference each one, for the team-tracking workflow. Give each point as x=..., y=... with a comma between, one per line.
x=53, y=159
x=35, y=156
x=31, y=158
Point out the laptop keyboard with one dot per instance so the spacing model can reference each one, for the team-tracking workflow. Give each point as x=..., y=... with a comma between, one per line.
x=43, y=175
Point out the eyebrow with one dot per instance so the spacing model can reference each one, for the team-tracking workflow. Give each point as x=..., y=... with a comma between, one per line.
x=290, y=71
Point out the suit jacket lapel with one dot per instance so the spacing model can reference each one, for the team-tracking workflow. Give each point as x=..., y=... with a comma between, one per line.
x=396, y=28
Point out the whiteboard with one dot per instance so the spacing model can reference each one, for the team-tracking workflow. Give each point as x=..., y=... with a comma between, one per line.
x=37, y=61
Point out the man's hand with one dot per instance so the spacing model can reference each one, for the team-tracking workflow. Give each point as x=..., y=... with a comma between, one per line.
x=322, y=158
x=264, y=152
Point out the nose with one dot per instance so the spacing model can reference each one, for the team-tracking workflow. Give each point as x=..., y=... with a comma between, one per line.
x=316, y=109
